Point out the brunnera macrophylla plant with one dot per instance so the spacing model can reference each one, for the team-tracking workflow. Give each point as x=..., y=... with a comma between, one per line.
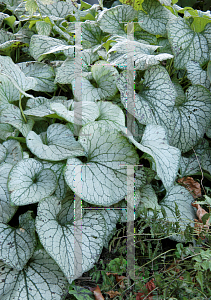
x=49, y=136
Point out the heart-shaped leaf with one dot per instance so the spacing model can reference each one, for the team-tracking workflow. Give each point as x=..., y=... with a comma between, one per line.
x=11, y=114
x=57, y=10
x=103, y=74
x=43, y=28
x=58, y=240
x=59, y=144
x=104, y=181
x=41, y=45
x=186, y=44
x=17, y=244
x=65, y=74
x=182, y=198
x=154, y=17
x=12, y=71
x=41, y=106
x=43, y=74
x=113, y=19
x=192, y=118
x=154, y=103
x=91, y=33
x=80, y=113
x=148, y=199
x=111, y=113
x=155, y=143
x=41, y=279
x=29, y=182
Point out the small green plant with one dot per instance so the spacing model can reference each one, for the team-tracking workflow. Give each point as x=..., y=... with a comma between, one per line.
x=99, y=274
x=203, y=260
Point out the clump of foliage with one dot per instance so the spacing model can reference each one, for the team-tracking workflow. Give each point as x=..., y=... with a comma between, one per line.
x=196, y=4
x=63, y=131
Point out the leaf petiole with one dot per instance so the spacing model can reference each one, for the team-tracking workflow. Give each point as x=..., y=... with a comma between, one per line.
x=21, y=109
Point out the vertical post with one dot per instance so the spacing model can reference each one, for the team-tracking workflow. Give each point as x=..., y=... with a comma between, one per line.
x=130, y=223
x=77, y=200
x=78, y=260
x=130, y=78
x=130, y=169
x=78, y=73
x=78, y=226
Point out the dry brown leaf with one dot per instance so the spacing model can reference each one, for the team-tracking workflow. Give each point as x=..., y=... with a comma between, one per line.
x=199, y=223
x=200, y=211
x=113, y=294
x=191, y=185
x=97, y=293
x=150, y=285
x=141, y=296
x=119, y=279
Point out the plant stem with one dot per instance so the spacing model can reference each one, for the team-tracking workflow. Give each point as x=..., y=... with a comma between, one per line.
x=21, y=109
x=20, y=139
